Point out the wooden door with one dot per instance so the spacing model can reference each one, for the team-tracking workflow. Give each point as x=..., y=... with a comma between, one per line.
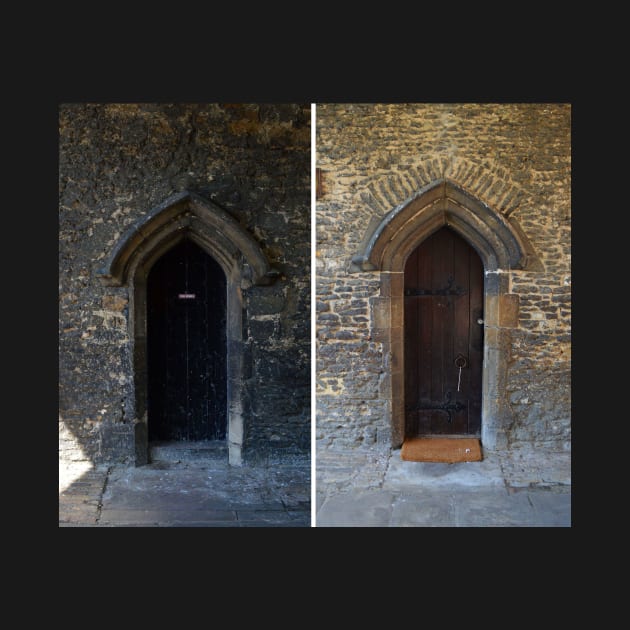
x=443, y=333
x=186, y=346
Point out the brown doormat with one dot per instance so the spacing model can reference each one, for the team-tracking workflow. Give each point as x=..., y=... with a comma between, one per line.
x=445, y=450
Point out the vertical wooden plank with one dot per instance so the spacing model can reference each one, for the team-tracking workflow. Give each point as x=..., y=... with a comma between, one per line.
x=461, y=332
x=156, y=349
x=207, y=418
x=195, y=341
x=411, y=346
x=177, y=358
x=425, y=349
x=441, y=255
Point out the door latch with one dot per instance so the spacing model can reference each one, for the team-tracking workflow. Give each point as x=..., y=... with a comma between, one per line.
x=460, y=362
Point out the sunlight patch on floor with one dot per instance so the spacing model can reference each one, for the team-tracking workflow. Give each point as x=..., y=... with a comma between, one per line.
x=75, y=468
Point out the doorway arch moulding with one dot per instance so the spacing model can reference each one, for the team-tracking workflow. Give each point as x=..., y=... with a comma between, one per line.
x=187, y=215
x=502, y=247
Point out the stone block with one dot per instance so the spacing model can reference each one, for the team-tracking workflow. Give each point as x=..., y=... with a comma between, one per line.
x=508, y=311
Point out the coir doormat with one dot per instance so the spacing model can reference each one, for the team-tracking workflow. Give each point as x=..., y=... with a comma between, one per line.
x=445, y=450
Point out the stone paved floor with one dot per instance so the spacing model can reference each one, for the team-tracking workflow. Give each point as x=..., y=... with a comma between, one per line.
x=185, y=489
x=520, y=488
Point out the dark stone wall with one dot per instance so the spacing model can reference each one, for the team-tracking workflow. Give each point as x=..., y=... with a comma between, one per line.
x=117, y=162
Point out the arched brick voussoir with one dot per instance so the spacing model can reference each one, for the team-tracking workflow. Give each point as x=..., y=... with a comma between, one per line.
x=500, y=243
x=185, y=214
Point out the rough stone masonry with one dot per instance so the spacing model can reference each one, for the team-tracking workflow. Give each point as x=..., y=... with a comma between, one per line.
x=515, y=160
x=117, y=162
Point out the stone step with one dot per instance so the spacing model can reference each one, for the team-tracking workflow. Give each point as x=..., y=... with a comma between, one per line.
x=184, y=451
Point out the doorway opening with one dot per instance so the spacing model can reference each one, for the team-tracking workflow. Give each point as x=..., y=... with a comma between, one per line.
x=186, y=229
x=186, y=347
x=443, y=338
x=443, y=207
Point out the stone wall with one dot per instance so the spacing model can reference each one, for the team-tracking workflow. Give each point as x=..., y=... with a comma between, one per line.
x=116, y=163
x=515, y=159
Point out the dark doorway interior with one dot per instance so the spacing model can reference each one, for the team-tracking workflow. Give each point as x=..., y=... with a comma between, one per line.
x=186, y=346
x=443, y=337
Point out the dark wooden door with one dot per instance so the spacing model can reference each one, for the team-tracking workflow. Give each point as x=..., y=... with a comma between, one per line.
x=186, y=346
x=443, y=307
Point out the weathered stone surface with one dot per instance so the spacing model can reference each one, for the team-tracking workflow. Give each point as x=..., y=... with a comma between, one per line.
x=117, y=161
x=515, y=159
x=508, y=311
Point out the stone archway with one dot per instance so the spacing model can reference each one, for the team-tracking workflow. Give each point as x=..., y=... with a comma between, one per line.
x=502, y=247
x=187, y=215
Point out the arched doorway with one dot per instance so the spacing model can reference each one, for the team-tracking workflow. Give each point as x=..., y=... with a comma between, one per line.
x=186, y=216
x=186, y=347
x=500, y=245
x=443, y=337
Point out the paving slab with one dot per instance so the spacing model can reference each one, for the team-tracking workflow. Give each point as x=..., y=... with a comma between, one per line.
x=371, y=508
x=492, y=507
x=423, y=508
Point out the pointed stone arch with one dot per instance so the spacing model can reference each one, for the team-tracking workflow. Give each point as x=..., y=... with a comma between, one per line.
x=187, y=214
x=180, y=216
x=502, y=247
x=443, y=203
